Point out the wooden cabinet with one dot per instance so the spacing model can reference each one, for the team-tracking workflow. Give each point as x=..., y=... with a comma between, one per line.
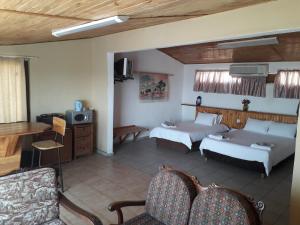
x=83, y=139
x=50, y=157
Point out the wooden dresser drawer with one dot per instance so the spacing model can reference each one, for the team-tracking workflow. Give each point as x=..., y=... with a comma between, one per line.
x=83, y=145
x=82, y=130
x=83, y=139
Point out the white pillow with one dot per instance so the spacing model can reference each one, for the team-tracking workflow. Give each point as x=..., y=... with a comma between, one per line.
x=282, y=129
x=257, y=126
x=207, y=119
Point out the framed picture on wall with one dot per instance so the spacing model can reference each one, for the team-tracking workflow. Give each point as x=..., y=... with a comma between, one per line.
x=154, y=87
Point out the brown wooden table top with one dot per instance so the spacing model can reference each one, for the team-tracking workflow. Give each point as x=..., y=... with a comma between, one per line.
x=22, y=128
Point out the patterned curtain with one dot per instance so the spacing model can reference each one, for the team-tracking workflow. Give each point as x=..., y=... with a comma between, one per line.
x=287, y=84
x=253, y=86
x=12, y=91
x=213, y=81
x=222, y=82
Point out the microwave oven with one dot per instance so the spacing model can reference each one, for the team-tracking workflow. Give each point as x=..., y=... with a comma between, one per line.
x=75, y=117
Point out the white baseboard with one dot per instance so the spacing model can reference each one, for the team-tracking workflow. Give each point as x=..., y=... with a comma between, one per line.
x=98, y=151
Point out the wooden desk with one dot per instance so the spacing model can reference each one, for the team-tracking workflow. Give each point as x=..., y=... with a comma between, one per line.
x=10, y=142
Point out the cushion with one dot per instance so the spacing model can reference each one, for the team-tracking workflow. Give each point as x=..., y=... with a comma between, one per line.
x=143, y=219
x=54, y=222
x=170, y=197
x=257, y=126
x=29, y=198
x=219, y=206
x=207, y=119
x=282, y=129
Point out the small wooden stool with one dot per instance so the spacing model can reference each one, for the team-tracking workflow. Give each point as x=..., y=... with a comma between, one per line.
x=59, y=126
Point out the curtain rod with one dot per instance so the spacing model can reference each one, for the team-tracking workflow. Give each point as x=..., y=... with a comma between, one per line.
x=19, y=56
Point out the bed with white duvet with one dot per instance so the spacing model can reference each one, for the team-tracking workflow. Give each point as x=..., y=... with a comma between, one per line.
x=189, y=132
x=261, y=141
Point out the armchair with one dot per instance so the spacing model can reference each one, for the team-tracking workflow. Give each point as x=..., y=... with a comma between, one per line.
x=169, y=199
x=176, y=198
x=32, y=198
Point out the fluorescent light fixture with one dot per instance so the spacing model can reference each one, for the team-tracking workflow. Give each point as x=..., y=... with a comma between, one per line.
x=249, y=43
x=89, y=26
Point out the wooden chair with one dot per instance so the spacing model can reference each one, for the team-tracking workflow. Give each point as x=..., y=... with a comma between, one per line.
x=59, y=126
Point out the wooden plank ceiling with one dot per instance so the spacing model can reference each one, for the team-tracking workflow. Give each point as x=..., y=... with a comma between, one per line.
x=31, y=21
x=288, y=49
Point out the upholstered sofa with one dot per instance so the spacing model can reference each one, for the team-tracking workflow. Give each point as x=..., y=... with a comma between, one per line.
x=175, y=198
x=32, y=198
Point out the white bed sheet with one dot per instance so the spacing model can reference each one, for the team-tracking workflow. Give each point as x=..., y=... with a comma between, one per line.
x=238, y=146
x=186, y=132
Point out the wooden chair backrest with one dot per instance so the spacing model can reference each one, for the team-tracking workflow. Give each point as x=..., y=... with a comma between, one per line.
x=59, y=126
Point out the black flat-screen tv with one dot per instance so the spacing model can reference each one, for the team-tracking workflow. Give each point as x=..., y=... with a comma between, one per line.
x=123, y=69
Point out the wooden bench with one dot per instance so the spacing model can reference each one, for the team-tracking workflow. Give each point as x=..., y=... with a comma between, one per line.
x=124, y=132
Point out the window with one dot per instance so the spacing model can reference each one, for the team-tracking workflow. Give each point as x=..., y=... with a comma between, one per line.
x=219, y=81
x=13, y=104
x=287, y=84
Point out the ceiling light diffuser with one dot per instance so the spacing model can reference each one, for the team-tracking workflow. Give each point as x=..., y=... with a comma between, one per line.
x=249, y=43
x=90, y=26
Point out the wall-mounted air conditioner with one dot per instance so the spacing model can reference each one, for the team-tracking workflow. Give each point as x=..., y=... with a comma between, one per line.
x=249, y=70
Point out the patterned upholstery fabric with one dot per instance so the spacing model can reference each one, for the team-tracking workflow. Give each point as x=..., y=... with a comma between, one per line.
x=170, y=197
x=219, y=206
x=143, y=219
x=29, y=198
x=54, y=222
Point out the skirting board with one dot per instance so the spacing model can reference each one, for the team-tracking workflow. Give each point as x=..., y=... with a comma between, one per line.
x=98, y=151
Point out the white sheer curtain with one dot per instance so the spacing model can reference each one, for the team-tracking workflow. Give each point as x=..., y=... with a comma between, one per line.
x=13, y=106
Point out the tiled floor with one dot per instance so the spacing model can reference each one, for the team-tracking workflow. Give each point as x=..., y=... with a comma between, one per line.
x=94, y=181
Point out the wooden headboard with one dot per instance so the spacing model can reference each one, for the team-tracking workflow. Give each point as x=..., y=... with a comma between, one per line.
x=231, y=116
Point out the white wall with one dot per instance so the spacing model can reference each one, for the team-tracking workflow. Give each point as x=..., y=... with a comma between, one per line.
x=249, y=21
x=128, y=109
x=245, y=22
x=60, y=74
x=267, y=104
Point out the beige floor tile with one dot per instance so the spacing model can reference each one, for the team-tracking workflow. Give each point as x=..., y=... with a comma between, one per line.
x=93, y=182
